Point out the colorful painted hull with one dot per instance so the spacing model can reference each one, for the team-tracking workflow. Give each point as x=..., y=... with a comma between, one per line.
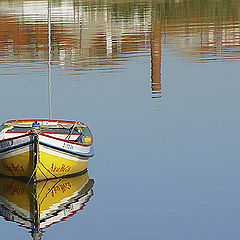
x=16, y=156
x=42, y=157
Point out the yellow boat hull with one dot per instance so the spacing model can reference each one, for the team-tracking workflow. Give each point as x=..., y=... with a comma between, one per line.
x=50, y=164
x=54, y=163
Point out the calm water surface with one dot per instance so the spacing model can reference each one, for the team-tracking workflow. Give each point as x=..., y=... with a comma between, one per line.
x=158, y=84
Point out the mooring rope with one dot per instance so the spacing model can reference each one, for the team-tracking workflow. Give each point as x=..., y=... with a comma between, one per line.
x=36, y=130
x=36, y=155
x=48, y=170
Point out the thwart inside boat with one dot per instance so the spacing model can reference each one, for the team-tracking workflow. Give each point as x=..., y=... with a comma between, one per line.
x=68, y=130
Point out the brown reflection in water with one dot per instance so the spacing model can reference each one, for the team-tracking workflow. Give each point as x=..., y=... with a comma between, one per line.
x=156, y=60
x=90, y=35
x=22, y=40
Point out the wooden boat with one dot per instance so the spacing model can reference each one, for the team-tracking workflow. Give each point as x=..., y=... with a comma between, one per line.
x=44, y=149
x=37, y=206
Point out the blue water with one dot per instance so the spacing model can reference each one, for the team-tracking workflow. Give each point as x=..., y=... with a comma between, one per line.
x=164, y=168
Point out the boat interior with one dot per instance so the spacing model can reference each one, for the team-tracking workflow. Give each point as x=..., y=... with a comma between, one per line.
x=76, y=132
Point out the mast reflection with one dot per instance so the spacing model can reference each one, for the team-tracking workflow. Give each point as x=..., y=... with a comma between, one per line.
x=37, y=206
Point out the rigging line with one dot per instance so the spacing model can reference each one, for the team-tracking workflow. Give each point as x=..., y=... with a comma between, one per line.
x=63, y=126
x=49, y=62
x=39, y=160
x=70, y=133
x=48, y=170
x=50, y=190
x=30, y=179
x=44, y=168
x=40, y=192
x=38, y=156
x=46, y=178
x=34, y=196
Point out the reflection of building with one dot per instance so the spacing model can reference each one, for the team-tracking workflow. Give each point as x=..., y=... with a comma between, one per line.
x=83, y=38
x=205, y=42
x=18, y=39
x=87, y=35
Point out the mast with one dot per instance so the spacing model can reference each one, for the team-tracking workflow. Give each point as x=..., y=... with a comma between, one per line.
x=49, y=63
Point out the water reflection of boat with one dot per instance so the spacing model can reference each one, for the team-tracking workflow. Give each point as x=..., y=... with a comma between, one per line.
x=43, y=149
x=37, y=206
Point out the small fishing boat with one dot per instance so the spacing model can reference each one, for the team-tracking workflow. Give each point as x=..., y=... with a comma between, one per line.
x=37, y=206
x=44, y=149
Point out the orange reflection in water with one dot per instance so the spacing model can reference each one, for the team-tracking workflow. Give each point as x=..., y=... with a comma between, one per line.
x=98, y=36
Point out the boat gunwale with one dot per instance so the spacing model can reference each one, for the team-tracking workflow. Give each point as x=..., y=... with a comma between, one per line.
x=46, y=135
x=40, y=120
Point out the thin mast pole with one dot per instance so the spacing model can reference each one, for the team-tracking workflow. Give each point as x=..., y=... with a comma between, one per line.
x=49, y=63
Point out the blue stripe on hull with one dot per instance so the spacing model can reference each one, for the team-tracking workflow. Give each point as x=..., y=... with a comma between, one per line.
x=89, y=154
x=16, y=146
